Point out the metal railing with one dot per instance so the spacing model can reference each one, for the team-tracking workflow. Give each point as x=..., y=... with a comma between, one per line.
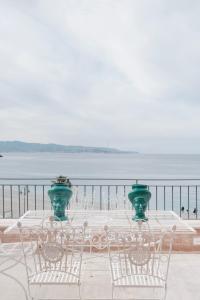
x=18, y=195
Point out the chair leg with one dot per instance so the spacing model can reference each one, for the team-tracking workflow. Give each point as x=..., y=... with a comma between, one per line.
x=29, y=292
x=165, y=293
x=79, y=291
x=112, y=291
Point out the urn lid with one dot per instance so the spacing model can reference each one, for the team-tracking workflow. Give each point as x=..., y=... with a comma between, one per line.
x=62, y=180
x=139, y=186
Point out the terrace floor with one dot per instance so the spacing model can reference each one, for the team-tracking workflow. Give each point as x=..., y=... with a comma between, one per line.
x=183, y=280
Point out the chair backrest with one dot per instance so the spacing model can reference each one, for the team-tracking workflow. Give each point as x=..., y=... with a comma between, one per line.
x=140, y=252
x=53, y=248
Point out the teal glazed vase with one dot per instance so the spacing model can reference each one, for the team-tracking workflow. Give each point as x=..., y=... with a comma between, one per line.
x=139, y=197
x=60, y=194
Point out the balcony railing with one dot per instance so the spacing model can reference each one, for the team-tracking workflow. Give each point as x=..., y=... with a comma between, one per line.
x=18, y=195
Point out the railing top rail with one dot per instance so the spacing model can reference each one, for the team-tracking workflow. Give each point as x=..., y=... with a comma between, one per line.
x=105, y=179
x=101, y=185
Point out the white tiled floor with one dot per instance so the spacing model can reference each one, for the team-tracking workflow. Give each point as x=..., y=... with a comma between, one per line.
x=183, y=281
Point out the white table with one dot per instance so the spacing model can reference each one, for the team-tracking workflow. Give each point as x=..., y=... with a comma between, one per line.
x=114, y=219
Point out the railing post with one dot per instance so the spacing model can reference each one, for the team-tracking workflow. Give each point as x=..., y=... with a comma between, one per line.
x=188, y=202
x=35, y=198
x=19, y=199
x=11, y=201
x=43, y=197
x=77, y=193
x=124, y=194
x=180, y=201
x=100, y=197
x=164, y=197
x=85, y=191
x=148, y=205
x=156, y=197
x=196, y=203
x=116, y=194
x=92, y=195
x=108, y=197
x=27, y=204
x=3, y=208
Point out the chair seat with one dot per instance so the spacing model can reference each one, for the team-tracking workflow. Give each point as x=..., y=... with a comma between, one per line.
x=68, y=276
x=139, y=281
x=126, y=275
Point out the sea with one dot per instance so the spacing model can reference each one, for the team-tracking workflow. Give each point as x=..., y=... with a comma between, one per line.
x=174, y=179
x=95, y=165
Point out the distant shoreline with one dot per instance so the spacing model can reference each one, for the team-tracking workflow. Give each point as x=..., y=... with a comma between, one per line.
x=23, y=147
x=59, y=152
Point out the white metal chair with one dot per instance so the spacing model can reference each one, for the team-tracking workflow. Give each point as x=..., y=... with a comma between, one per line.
x=140, y=261
x=56, y=255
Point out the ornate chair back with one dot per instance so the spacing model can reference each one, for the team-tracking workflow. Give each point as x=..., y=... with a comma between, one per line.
x=140, y=257
x=54, y=248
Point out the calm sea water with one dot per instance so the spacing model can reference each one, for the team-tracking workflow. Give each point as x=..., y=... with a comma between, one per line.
x=99, y=165
x=87, y=165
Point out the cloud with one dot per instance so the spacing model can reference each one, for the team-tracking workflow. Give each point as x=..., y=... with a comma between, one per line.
x=123, y=73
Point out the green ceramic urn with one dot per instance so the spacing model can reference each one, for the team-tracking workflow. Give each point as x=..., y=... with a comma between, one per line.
x=60, y=194
x=139, y=197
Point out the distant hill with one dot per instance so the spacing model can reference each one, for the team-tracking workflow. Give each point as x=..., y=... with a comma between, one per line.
x=17, y=146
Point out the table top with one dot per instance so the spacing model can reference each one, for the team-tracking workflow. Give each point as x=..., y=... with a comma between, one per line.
x=114, y=219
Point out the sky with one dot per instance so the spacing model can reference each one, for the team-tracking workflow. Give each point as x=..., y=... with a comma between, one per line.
x=111, y=73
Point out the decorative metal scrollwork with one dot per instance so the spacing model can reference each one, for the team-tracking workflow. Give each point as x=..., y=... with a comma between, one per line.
x=139, y=255
x=99, y=241
x=51, y=252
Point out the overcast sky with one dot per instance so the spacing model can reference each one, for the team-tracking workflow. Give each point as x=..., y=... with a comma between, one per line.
x=118, y=73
